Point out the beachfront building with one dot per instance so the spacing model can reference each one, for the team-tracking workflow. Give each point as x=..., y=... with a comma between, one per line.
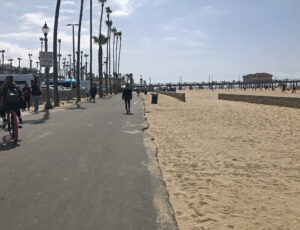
x=258, y=78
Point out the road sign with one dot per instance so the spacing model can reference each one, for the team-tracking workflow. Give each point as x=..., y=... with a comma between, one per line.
x=46, y=59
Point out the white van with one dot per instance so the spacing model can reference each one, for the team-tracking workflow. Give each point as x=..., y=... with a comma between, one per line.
x=20, y=79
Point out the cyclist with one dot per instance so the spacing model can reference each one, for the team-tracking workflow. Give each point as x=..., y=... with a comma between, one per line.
x=10, y=99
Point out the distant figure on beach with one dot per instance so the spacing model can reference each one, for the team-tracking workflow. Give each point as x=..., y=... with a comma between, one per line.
x=283, y=88
x=294, y=88
x=93, y=93
x=127, y=96
x=138, y=92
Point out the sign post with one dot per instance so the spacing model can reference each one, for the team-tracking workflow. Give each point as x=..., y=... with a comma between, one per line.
x=46, y=59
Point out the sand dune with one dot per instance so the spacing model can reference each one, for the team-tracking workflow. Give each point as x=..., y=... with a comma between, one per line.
x=228, y=165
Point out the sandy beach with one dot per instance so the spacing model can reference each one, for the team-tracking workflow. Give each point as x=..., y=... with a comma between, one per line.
x=228, y=165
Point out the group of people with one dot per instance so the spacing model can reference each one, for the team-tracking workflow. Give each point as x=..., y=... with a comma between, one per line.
x=293, y=88
x=13, y=98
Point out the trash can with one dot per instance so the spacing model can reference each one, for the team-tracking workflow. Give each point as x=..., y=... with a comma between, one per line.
x=154, y=98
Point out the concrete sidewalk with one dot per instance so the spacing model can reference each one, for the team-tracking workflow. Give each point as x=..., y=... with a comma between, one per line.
x=84, y=167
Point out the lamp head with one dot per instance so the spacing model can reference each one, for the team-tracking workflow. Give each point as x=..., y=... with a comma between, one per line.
x=45, y=29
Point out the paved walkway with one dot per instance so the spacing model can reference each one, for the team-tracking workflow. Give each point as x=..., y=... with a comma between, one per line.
x=84, y=167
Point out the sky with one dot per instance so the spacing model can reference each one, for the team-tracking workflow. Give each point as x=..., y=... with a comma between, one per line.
x=164, y=40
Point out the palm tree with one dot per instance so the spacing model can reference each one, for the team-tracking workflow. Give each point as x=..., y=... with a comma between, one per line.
x=100, y=51
x=91, y=43
x=114, y=30
x=55, y=73
x=108, y=23
x=100, y=41
x=120, y=36
x=78, y=54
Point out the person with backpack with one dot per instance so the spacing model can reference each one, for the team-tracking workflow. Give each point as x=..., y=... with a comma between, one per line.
x=36, y=92
x=27, y=95
x=127, y=96
x=10, y=99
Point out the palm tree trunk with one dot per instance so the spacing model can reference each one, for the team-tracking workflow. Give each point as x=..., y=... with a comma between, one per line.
x=78, y=54
x=106, y=76
x=91, y=43
x=117, y=75
x=119, y=55
x=55, y=73
x=100, y=55
x=110, y=88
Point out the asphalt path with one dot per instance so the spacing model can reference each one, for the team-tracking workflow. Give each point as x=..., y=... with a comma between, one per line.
x=83, y=167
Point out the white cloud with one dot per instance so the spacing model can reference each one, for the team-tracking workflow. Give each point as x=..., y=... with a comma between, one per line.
x=124, y=8
x=20, y=35
x=72, y=3
x=36, y=19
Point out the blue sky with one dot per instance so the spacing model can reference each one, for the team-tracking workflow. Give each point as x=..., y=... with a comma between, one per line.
x=165, y=39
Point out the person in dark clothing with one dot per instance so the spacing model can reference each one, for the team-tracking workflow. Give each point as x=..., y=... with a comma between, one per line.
x=127, y=96
x=294, y=88
x=93, y=93
x=27, y=95
x=36, y=92
x=10, y=98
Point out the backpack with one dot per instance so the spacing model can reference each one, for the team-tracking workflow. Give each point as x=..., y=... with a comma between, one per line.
x=12, y=96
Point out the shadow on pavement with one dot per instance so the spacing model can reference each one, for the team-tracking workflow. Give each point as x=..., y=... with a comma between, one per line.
x=76, y=107
x=45, y=117
x=128, y=113
x=8, y=143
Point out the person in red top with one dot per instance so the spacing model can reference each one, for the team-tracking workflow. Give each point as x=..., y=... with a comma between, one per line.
x=27, y=95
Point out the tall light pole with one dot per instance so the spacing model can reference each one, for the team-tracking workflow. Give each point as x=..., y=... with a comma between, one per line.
x=86, y=62
x=10, y=60
x=81, y=74
x=59, y=55
x=19, y=59
x=73, y=45
x=64, y=66
x=37, y=65
x=30, y=62
x=69, y=55
x=48, y=103
x=42, y=40
x=2, y=51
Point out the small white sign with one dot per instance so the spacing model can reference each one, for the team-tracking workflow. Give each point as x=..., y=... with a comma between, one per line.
x=46, y=59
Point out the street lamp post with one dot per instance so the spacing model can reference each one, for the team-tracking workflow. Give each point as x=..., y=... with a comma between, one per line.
x=81, y=74
x=37, y=65
x=48, y=103
x=10, y=60
x=30, y=62
x=86, y=62
x=2, y=51
x=19, y=59
x=73, y=45
x=69, y=55
x=59, y=55
x=64, y=66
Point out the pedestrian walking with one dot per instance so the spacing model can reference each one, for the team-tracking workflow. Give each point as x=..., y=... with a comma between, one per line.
x=294, y=88
x=283, y=88
x=36, y=93
x=27, y=95
x=93, y=92
x=127, y=96
x=87, y=93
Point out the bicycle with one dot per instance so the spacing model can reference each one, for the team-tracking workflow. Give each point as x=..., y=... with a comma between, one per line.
x=12, y=125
